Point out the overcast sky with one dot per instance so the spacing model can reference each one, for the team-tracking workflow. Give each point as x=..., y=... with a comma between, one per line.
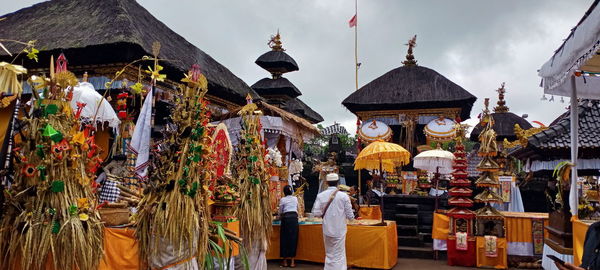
x=477, y=44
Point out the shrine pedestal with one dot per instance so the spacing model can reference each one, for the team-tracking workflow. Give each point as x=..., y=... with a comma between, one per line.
x=457, y=257
x=560, y=232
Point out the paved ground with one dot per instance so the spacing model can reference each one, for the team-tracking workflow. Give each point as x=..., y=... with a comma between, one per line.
x=403, y=263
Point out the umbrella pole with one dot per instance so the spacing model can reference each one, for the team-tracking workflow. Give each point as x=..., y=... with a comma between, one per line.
x=437, y=184
x=382, y=194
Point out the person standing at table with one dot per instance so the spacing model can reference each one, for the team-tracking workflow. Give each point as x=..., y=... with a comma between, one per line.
x=288, y=239
x=335, y=208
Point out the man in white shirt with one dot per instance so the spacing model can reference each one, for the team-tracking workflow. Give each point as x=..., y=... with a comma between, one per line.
x=335, y=208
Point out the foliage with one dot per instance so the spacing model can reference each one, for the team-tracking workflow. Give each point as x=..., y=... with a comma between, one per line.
x=318, y=146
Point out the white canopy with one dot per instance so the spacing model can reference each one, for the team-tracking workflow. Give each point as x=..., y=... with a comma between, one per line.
x=270, y=124
x=573, y=71
x=578, y=52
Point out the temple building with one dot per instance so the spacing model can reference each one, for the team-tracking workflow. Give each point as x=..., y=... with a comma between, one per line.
x=277, y=90
x=410, y=97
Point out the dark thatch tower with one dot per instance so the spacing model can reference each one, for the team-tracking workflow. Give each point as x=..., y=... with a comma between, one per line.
x=278, y=90
x=408, y=97
x=101, y=37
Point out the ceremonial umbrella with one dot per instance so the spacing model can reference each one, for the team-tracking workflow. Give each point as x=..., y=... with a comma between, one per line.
x=438, y=161
x=379, y=154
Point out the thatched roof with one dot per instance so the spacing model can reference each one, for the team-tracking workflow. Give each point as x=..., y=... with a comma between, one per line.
x=113, y=31
x=277, y=62
x=410, y=87
x=271, y=110
x=280, y=86
x=555, y=142
x=504, y=126
x=299, y=108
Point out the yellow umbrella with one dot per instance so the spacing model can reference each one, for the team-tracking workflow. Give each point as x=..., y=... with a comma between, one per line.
x=383, y=155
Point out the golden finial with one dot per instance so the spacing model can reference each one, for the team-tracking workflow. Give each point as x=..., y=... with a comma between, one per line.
x=410, y=58
x=275, y=43
x=501, y=102
x=155, y=48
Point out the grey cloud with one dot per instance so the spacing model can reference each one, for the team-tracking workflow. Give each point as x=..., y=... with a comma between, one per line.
x=477, y=44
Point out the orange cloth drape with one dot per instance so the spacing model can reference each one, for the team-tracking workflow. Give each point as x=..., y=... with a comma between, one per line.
x=120, y=250
x=370, y=212
x=102, y=139
x=579, y=230
x=441, y=226
x=366, y=246
x=498, y=262
x=518, y=225
x=5, y=117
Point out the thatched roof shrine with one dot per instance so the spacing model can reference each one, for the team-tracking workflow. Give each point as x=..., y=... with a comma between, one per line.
x=410, y=87
x=97, y=34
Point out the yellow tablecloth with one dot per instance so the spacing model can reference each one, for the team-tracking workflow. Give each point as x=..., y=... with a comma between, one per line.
x=366, y=246
x=370, y=212
x=498, y=262
x=579, y=230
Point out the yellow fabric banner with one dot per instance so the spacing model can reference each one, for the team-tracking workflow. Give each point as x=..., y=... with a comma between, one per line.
x=441, y=226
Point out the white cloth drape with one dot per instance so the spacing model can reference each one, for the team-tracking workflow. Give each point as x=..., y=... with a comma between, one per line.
x=578, y=48
x=140, y=141
x=257, y=255
x=439, y=244
x=582, y=164
x=548, y=264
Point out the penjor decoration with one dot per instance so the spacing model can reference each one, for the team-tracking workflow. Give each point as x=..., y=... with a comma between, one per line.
x=51, y=213
x=254, y=210
x=173, y=220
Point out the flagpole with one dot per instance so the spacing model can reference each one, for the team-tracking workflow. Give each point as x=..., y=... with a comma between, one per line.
x=356, y=42
x=356, y=81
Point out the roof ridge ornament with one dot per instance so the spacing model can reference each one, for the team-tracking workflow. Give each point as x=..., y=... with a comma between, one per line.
x=501, y=108
x=410, y=58
x=275, y=43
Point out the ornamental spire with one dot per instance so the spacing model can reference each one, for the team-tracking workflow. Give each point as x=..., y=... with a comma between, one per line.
x=410, y=58
x=501, y=108
x=275, y=43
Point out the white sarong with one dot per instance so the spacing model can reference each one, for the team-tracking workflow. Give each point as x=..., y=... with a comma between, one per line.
x=335, y=253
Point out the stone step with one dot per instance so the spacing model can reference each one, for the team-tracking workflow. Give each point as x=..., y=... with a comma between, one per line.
x=407, y=230
x=406, y=219
x=425, y=237
x=409, y=241
x=407, y=208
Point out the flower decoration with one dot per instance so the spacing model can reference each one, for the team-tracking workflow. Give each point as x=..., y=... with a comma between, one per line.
x=155, y=73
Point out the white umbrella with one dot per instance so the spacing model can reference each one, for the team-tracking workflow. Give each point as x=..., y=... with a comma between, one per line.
x=84, y=92
x=436, y=161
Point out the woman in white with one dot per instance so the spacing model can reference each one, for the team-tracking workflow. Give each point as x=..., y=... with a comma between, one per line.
x=288, y=212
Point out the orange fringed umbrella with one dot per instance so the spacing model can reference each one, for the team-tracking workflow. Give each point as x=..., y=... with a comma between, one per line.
x=382, y=155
